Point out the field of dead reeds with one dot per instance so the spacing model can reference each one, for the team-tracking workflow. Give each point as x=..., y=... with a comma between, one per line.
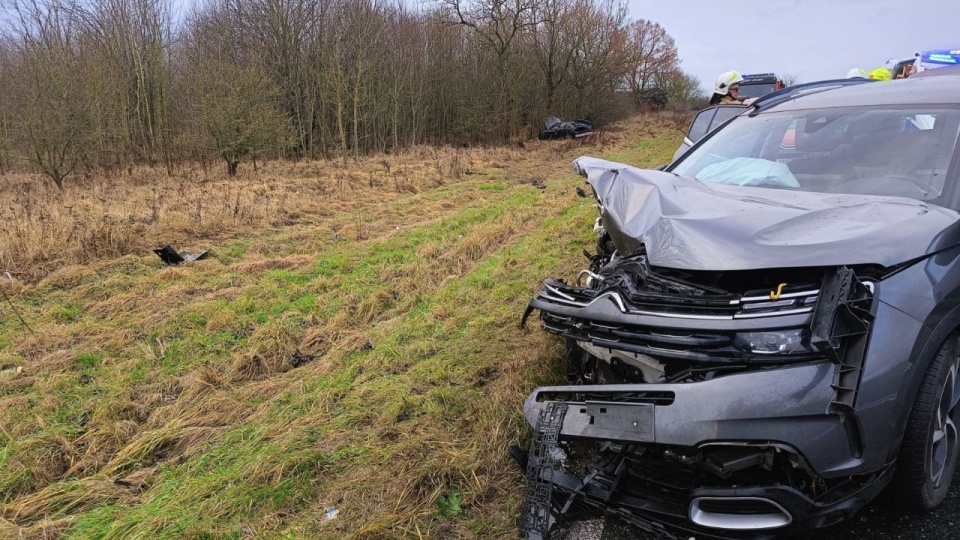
x=347, y=363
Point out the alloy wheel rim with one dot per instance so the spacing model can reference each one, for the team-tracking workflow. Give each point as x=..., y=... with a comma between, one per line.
x=943, y=437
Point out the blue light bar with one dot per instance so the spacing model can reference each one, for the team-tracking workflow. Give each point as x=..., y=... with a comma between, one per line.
x=945, y=57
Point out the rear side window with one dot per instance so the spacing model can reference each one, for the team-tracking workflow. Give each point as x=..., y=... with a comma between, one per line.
x=701, y=125
x=707, y=120
x=724, y=114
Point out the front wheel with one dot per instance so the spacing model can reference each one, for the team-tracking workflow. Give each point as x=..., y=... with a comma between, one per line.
x=928, y=455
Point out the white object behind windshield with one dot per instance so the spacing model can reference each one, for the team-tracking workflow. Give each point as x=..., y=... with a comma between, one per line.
x=749, y=172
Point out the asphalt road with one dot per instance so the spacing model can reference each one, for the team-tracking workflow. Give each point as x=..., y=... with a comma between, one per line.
x=882, y=520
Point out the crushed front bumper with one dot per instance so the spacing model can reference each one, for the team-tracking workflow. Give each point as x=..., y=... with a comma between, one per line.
x=787, y=404
x=784, y=408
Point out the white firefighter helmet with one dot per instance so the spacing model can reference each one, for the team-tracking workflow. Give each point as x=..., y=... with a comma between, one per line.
x=856, y=73
x=725, y=81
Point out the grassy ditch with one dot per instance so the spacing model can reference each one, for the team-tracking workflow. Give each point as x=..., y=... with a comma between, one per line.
x=347, y=366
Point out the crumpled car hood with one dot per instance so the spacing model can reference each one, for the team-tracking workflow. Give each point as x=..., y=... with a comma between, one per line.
x=686, y=224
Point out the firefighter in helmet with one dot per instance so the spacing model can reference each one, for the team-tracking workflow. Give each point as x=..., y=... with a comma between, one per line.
x=726, y=91
x=857, y=73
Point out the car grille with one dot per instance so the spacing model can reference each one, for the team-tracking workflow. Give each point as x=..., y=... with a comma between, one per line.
x=661, y=398
x=697, y=346
x=652, y=478
x=745, y=306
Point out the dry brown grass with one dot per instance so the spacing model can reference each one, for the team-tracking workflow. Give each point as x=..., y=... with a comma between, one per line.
x=63, y=498
x=44, y=529
x=108, y=217
x=271, y=350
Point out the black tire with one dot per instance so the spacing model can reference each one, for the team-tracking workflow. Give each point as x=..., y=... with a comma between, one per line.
x=928, y=454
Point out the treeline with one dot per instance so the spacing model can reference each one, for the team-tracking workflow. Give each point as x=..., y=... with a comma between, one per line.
x=107, y=84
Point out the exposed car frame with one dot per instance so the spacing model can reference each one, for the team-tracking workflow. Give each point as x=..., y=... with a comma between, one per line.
x=670, y=423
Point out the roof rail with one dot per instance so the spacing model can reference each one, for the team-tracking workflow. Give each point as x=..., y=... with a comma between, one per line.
x=775, y=98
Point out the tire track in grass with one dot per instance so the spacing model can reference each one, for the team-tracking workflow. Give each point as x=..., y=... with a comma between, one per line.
x=445, y=419
x=512, y=214
x=458, y=222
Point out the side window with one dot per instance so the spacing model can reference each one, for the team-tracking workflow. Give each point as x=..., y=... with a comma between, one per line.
x=903, y=70
x=707, y=120
x=724, y=114
x=701, y=124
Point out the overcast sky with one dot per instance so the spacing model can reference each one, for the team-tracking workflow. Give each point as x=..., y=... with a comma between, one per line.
x=811, y=39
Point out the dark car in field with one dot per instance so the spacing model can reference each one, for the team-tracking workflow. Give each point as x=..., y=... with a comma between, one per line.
x=768, y=334
x=554, y=128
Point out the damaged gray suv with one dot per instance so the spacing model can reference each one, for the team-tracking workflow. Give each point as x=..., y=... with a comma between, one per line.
x=769, y=332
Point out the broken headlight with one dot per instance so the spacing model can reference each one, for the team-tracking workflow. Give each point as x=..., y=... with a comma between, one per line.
x=796, y=341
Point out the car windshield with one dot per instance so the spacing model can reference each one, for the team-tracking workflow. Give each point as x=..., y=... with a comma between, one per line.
x=755, y=90
x=892, y=152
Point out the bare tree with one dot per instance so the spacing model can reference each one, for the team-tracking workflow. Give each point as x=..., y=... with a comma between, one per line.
x=132, y=38
x=498, y=24
x=112, y=83
x=682, y=89
x=51, y=108
x=239, y=111
x=405, y=68
x=555, y=44
x=282, y=34
x=652, y=53
x=236, y=104
x=789, y=80
x=601, y=59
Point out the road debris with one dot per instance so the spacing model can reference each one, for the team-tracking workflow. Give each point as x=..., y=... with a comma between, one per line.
x=170, y=256
x=11, y=369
